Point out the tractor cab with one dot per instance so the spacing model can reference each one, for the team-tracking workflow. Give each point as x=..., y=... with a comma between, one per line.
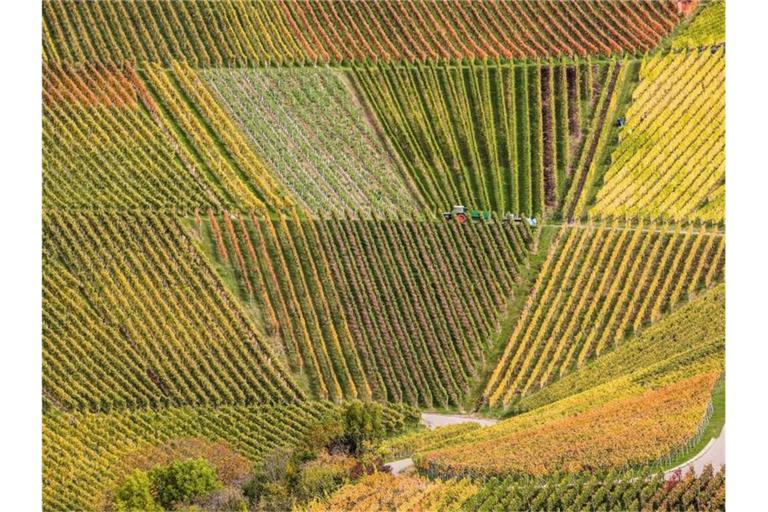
x=458, y=213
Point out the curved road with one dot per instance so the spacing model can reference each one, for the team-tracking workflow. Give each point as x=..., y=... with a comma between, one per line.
x=432, y=421
x=713, y=453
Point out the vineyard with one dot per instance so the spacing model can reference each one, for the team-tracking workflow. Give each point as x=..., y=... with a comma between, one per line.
x=706, y=29
x=488, y=135
x=672, y=162
x=385, y=492
x=598, y=285
x=115, y=337
x=624, y=432
x=102, y=148
x=606, y=491
x=695, y=329
x=611, y=490
x=246, y=259
x=309, y=128
x=405, y=310
x=309, y=32
x=87, y=452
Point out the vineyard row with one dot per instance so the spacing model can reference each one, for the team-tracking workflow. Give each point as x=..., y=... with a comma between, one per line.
x=395, y=310
x=236, y=33
x=134, y=316
x=597, y=286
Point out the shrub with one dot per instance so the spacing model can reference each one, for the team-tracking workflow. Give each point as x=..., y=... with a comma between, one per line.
x=362, y=422
x=136, y=494
x=183, y=481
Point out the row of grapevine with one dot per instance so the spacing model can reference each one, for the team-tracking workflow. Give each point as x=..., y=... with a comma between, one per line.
x=707, y=28
x=228, y=33
x=584, y=167
x=134, y=316
x=602, y=490
x=492, y=136
x=671, y=156
x=384, y=492
x=115, y=140
x=86, y=454
x=693, y=329
x=312, y=131
x=598, y=284
x=627, y=432
x=103, y=149
x=214, y=142
x=398, y=310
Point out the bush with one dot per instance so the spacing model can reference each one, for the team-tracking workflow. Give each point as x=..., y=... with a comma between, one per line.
x=183, y=481
x=363, y=421
x=135, y=495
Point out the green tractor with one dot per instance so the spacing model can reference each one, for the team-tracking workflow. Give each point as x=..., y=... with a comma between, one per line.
x=461, y=215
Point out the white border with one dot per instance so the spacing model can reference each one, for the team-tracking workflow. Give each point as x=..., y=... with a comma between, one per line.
x=746, y=258
x=20, y=255
x=747, y=228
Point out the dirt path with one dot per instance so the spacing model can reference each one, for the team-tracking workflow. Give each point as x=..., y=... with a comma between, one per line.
x=433, y=421
x=713, y=453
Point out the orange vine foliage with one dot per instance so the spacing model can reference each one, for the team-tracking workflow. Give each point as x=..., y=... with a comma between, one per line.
x=627, y=431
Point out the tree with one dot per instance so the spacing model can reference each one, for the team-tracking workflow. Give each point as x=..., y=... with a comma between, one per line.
x=183, y=481
x=363, y=421
x=135, y=495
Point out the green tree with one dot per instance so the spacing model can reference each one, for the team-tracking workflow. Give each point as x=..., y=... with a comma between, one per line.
x=363, y=421
x=183, y=481
x=135, y=494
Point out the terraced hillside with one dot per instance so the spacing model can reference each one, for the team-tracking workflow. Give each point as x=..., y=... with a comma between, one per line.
x=242, y=234
x=599, y=284
x=243, y=33
x=405, y=310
